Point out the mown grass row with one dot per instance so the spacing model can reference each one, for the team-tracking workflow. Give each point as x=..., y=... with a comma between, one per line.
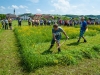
x=34, y=41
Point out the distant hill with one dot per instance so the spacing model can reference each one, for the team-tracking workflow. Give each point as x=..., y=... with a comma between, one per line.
x=89, y=16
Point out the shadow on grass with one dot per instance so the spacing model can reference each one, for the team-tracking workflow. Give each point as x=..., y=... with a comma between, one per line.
x=21, y=62
x=24, y=69
x=46, y=52
x=73, y=44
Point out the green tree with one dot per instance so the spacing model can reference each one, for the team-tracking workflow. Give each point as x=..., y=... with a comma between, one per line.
x=65, y=18
x=2, y=16
x=77, y=18
x=86, y=18
x=55, y=17
x=43, y=18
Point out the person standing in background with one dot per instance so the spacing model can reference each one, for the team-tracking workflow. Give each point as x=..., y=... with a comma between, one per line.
x=19, y=22
x=38, y=22
x=33, y=22
x=41, y=22
x=10, y=23
x=6, y=24
x=3, y=23
x=83, y=28
x=29, y=21
x=45, y=22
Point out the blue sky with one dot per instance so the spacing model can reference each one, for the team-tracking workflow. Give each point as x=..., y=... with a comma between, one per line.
x=80, y=7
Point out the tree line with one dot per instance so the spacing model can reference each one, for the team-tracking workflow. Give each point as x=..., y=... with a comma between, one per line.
x=2, y=16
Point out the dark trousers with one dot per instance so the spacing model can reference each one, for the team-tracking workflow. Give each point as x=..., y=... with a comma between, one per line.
x=3, y=26
x=53, y=42
x=29, y=23
x=6, y=25
x=33, y=23
x=41, y=24
x=10, y=26
x=19, y=24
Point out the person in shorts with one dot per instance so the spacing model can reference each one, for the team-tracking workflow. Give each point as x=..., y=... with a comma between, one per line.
x=83, y=28
x=56, y=36
x=10, y=23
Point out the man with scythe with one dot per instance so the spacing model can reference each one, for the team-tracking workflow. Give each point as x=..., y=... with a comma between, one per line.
x=56, y=36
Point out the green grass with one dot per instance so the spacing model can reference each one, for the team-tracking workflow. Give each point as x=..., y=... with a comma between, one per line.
x=85, y=67
x=0, y=26
x=9, y=56
x=85, y=56
x=37, y=40
x=24, y=23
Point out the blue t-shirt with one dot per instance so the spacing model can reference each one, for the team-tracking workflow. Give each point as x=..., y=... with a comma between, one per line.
x=57, y=33
x=83, y=25
x=41, y=21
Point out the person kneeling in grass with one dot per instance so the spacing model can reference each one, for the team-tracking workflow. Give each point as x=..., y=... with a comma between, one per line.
x=56, y=33
x=82, y=29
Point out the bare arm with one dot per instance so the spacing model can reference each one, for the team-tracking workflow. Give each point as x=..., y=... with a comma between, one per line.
x=65, y=34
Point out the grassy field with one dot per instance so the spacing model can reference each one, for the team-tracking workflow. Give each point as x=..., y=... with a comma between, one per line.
x=9, y=56
x=32, y=43
x=36, y=41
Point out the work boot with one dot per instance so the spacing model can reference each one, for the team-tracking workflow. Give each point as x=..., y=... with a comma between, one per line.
x=59, y=50
x=85, y=41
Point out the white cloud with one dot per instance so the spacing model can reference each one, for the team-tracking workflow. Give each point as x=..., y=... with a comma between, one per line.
x=52, y=10
x=9, y=7
x=21, y=6
x=34, y=1
x=2, y=7
x=49, y=12
x=19, y=12
x=65, y=7
x=46, y=12
x=15, y=7
x=61, y=5
x=39, y=10
x=27, y=10
x=93, y=7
